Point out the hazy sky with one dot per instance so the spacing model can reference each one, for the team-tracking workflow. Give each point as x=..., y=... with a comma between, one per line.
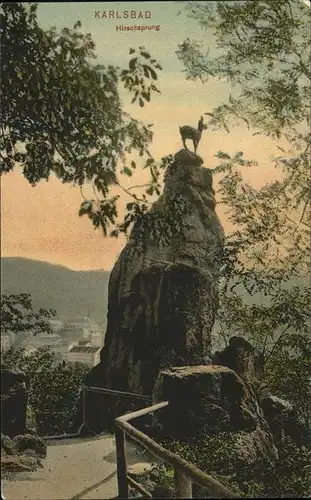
x=42, y=222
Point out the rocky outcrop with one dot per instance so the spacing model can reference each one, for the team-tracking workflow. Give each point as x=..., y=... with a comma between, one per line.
x=21, y=449
x=163, y=297
x=283, y=418
x=276, y=411
x=211, y=400
x=13, y=401
x=22, y=443
x=22, y=453
x=243, y=358
x=285, y=421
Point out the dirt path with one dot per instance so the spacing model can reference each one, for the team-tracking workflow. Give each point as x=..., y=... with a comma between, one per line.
x=73, y=469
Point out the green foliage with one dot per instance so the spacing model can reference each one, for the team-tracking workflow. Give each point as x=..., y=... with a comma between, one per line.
x=287, y=477
x=288, y=371
x=163, y=227
x=204, y=451
x=54, y=388
x=139, y=70
x=270, y=228
x=263, y=52
x=285, y=312
x=55, y=397
x=17, y=315
x=161, y=476
x=264, y=293
x=261, y=49
x=63, y=115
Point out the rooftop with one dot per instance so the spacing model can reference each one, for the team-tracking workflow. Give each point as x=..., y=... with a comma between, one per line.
x=84, y=349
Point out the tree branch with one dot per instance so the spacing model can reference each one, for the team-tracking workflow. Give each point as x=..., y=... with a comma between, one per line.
x=277, y=342
x=132, y=195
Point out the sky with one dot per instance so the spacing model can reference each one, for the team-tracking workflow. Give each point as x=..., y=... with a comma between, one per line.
x=42, y=222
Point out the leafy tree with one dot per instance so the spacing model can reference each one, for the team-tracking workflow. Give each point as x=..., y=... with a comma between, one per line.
x=18, y=316
x=265, y=292
x=63, y=115
x=280, y=330
x=288, y=372
x=261, y=49
x=287, y=311
x=54, y=388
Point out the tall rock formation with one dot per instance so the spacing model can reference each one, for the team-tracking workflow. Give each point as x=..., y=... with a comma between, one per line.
x=163, y=299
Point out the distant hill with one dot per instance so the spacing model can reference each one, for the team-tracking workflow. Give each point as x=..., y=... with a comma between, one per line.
x=73, y=294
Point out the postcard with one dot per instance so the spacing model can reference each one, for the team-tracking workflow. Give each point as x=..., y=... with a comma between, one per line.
x=155, y=249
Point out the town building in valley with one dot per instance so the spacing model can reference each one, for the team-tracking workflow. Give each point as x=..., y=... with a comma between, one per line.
x=86, y=354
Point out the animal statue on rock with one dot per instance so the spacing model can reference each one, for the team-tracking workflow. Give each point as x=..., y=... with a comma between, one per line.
x=192, y=133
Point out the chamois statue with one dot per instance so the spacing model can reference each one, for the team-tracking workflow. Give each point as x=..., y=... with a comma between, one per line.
x=192, y=133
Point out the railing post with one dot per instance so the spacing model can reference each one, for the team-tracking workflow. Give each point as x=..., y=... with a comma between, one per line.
x=121, y=464
x=183, y=485
x=24, y=403
x=84, y=406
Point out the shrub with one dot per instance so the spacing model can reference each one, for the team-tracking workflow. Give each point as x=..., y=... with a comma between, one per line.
x=287, y=477
x=54, y=388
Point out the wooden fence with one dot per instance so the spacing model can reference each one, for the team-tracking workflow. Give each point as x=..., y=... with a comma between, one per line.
x=185, y=474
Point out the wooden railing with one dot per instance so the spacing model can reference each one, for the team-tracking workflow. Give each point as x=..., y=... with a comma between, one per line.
x=101, y=390
x=110, y=392
x=184, y=473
